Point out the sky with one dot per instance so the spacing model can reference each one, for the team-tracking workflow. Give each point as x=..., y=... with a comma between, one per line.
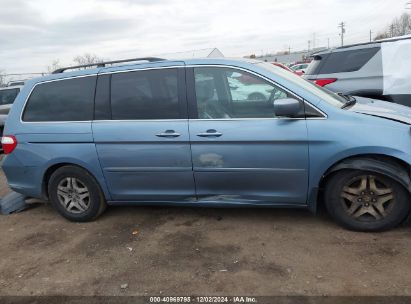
x=34, y=33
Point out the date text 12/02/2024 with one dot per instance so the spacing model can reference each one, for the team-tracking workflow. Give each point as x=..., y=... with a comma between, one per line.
x=204, y=299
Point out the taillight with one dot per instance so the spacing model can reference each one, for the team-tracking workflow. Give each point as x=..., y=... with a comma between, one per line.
x=324, y=81
x=9, y=143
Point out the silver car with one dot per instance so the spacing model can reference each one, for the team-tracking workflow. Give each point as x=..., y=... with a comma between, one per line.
x=379, y=69
x=7, y=96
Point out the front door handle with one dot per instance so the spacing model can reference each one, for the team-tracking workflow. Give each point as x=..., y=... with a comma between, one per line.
x=168, y=133
x=210, y=133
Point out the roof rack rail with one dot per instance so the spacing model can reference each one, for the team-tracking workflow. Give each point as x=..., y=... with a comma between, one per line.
x=394, y=39
x=103, y=64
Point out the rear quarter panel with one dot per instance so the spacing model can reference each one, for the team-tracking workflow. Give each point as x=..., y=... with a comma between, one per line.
x=44, y=144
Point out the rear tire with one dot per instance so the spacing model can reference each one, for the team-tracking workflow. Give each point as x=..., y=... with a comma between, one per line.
x=75, y=194
x=366, y=201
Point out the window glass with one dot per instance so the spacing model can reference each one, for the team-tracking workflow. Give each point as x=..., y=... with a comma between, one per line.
x=7, y=96
x=231, y=93
x=347, y=61
x=63, y=100
x=151, y=94
x=326, y=95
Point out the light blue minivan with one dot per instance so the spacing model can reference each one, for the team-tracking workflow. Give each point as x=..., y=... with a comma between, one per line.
x=207, y=132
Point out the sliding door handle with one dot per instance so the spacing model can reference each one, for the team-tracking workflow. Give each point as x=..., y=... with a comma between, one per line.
x=168, y=133
x=210, y=133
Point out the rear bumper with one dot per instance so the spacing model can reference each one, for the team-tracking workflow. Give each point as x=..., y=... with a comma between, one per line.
x=22, y=179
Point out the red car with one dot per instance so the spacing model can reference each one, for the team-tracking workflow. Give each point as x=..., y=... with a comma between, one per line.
x=283, y=66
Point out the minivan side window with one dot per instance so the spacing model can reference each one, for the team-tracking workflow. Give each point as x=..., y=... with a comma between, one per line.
x=230, y=93
x=7, y=96
x=62, y=100
x=148, y=94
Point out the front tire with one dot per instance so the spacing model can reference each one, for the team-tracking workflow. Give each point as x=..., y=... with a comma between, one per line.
x=366, y=201
x=75, y=194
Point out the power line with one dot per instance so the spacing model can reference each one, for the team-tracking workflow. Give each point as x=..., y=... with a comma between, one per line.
x=342, y=26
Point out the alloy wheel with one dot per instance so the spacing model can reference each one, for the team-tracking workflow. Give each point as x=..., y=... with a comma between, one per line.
x=367, y=198
x=73, y=195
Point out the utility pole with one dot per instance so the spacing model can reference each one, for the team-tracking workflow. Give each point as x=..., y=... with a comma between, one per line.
x=370, y=35
x=309, y=42
x=328, y=43
x=342, y=26
x=289, y=49
x=313, y=41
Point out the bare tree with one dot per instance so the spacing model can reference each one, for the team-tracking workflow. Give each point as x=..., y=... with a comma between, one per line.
x=55, y=64
x=87, y=58
x=403, y=25
x=399, y=27
x=382, y=35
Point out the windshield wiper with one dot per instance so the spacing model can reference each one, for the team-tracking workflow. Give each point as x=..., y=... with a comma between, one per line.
x=350, y=100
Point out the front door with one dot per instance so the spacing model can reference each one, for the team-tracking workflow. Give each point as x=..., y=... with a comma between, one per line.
x=241, y=152
x=143, y=145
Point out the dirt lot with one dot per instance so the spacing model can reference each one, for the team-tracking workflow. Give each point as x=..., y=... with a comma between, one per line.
x=187, y=251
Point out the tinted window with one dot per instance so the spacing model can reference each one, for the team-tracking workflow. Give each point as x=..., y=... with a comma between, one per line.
x=63, y=100
x=8, y=96
x=230, y=93
x=151, y=94
x=347, y=61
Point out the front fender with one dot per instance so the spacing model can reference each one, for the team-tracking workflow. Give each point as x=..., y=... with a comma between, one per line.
x=379, y=165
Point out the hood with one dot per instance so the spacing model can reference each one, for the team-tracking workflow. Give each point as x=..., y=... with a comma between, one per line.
x=382, y=109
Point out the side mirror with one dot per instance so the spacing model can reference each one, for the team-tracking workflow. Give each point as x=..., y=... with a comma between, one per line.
x=286, y=107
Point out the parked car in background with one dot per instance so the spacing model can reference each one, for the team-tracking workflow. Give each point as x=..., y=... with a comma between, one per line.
x=379, y=69
x=7, y=96
x=300, y=68
x=283, y=66
x=176, y=132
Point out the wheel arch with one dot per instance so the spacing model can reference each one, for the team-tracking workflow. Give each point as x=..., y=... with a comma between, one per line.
x=53, y=167
x=391, y=166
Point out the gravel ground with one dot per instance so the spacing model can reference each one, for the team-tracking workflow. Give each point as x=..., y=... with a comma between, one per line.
x=187, y=251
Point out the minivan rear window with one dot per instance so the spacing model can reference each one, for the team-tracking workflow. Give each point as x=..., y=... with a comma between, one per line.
x=345, y=61
x=62, y=100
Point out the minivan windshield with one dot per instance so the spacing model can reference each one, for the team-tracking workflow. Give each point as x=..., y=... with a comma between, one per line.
x=324, y=94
